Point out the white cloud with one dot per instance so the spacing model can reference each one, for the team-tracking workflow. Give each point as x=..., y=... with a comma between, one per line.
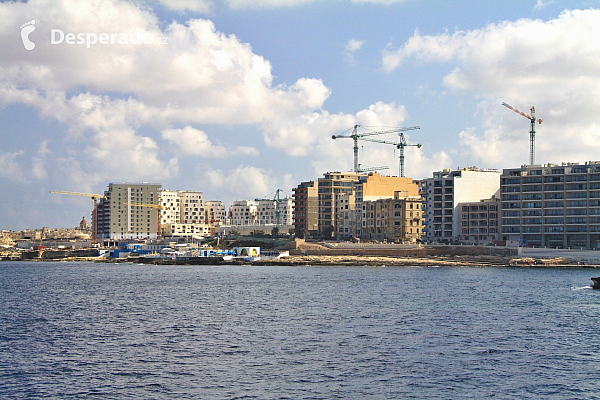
x=202, y=6
x=10, y=168
x=195, y=142
x=550, y=64
x=38, y=169
x=243, y=182
x=354, y=45
x=383, y=2
x=241, y=4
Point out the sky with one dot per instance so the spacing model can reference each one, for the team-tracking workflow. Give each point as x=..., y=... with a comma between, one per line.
x=239, y=98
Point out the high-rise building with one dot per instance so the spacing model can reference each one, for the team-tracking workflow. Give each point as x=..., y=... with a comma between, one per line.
x=306, y=207
x=215, y=212
x=552, y=205
x=267, y=210
x=331, y=187
x=445, y=190
x=374, y=186
x=242, y=212
x=480, y=221
x=120, y=218
x=398, y=219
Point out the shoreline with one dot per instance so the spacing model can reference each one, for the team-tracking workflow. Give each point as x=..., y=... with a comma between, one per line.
x=348, y=261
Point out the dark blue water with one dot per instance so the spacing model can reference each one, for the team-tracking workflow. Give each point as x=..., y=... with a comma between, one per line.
x=82, y=330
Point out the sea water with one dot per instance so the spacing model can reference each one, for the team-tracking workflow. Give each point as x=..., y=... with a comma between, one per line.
x=125, y=331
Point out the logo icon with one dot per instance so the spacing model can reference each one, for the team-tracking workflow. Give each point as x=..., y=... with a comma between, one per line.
x=26, y=29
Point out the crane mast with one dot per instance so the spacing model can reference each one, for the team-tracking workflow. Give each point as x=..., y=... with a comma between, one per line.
x=401, y=144
x=531, y=131
x=355, y=136
x=95, y=198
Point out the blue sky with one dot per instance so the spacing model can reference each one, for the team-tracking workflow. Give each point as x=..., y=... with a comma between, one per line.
x=244, y=97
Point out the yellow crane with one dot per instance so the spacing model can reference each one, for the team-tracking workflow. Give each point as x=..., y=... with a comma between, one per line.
x=95, y=198
x=157, y=206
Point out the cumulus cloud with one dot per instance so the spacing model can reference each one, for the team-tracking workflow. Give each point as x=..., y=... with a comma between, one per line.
x=192, y=141
x=243, y=182
x=550, y=64
x=10, y=168
x=241, y=4
x=202, y=6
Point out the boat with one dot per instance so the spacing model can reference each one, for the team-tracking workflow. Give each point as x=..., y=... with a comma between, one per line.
x=596, y=283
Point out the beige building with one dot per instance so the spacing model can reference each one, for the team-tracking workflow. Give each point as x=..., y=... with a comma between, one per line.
x=346, y=216
x=119, y=219
x=306, y=207
x=215, y=212
x=267, y=210
x=479, y=221
x=552, y=205
x=243, y=212
x=374, y=187
x=331, y=188
x=446, y=189
x=398, y=219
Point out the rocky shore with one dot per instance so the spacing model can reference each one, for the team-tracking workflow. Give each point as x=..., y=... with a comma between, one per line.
x=317, y=260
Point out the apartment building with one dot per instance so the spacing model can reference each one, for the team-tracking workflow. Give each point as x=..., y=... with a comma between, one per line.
x=215, y=212
x=373, y=187
x=273, y=212
x=243, y=212
x=306, y=207
x=552, y=205
x=480, y=221
x=398, y=219
x=346, y=216
x=445, y=190
x=331, y=187
x=120, y=218
x=170, y=207
x=191, y=207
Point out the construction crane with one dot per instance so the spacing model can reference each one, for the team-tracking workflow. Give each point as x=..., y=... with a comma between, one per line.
x=158, y=208
x=531, y=132
x=356, y=136
x=401, y=144
x=95, y=198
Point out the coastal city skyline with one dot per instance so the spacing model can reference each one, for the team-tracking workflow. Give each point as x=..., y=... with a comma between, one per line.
x=237, y=99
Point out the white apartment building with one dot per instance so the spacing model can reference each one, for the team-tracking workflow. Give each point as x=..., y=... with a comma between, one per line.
x=215, y=212
x=552, y=205
x=266, y=211
x=191, y=207
x=170, y=211
x=120, y=218
x=443, y=193
x=243, y=212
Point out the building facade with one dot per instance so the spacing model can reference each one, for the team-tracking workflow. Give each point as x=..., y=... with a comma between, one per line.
x=243, y=212
x=215, y=212
x=331, y=188
x=306, y=207
x=480, y=221
x=373, y=187
x=552, y=205
x=120, y=218
x=446, y=190
x=267, y=211
x=398, y=219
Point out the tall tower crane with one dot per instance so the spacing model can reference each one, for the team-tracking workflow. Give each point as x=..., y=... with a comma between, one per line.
x=158, y=208
x=356, y=136
x=531, y=132
x=400, y=145
x=95, y=198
